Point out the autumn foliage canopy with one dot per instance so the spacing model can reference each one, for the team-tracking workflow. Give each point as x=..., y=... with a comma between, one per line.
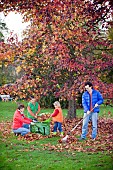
x=65, y=46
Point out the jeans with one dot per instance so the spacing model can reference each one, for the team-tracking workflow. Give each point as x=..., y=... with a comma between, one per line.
x=94, y=118
x=23, y=130
x=57, y=125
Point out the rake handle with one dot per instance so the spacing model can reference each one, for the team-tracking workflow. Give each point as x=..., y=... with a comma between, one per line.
x=79, y=122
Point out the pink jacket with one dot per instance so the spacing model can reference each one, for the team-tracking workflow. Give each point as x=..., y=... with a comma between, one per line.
x=19, y=119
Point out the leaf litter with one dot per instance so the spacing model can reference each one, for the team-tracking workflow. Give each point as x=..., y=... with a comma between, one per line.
x=103, y=142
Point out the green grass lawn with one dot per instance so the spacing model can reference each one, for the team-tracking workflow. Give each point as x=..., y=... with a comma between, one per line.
x=7, y=110
x=31, y=155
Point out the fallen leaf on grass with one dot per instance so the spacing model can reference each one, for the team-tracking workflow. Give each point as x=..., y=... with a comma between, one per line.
x=103, y=141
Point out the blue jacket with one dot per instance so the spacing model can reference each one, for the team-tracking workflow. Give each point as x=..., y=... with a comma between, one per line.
x=96, y=98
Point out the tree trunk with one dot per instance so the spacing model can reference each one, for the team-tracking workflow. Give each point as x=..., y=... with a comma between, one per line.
x=71, y=109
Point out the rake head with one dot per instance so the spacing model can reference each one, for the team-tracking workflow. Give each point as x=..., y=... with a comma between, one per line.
x=65, y=139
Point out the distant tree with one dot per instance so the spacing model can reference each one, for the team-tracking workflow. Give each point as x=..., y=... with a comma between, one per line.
x=3, y=29
x=7, y=70
x=107, y=76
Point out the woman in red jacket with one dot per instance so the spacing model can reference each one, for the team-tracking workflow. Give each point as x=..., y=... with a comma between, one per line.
x=21, y=124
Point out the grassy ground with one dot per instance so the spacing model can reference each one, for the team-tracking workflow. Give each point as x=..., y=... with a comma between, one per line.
x=23, y=154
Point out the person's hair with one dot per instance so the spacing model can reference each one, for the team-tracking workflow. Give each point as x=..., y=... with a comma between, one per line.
x=56, y=103
x=89, y=83
x=21, y=106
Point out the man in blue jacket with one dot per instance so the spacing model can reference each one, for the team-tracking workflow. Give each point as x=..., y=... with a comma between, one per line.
x=91, y=98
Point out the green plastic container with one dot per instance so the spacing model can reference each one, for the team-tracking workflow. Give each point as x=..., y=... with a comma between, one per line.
x=40, y=128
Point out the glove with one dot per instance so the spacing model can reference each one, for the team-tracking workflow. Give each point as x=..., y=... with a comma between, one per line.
x=96, y=105
x=88, y=112
x=32, y=123
x=35, y=120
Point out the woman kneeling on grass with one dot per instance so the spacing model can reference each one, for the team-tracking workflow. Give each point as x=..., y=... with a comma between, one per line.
x=21, y=124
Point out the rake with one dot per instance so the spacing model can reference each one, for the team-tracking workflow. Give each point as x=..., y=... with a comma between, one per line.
x=66, y=137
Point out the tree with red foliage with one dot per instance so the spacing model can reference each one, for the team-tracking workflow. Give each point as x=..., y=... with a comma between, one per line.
x=64, y=47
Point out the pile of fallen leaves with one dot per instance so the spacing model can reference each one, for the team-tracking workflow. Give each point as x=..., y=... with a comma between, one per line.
x=103, y=142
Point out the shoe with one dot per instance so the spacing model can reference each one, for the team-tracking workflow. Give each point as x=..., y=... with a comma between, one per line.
x=17, y=134
x=81, y=139
x=54, y=133
x=93, y=139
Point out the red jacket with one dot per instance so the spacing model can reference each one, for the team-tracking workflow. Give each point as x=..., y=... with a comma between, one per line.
x=19, y=119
